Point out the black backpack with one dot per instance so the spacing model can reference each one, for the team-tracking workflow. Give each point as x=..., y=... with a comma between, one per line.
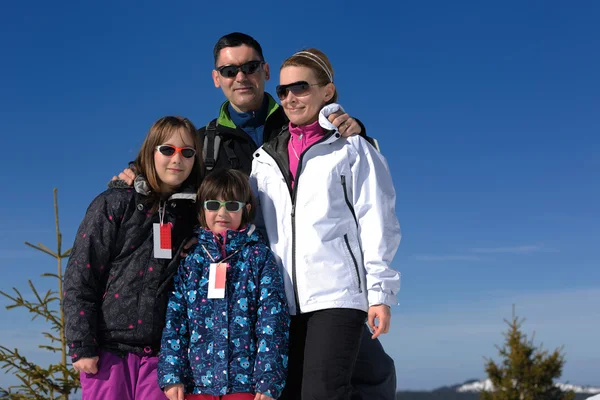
x=212, y=147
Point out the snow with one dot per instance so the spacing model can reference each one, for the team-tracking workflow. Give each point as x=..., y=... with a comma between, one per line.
x=487, y=385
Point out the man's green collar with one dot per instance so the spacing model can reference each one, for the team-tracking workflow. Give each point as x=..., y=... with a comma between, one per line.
x=225, y=120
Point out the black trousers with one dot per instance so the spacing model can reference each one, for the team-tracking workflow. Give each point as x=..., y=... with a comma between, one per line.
x=324, y=346
x=374, y=376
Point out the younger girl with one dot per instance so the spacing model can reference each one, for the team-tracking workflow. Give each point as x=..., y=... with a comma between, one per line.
x=119, y=274
x=328, y=207
x=227, y=320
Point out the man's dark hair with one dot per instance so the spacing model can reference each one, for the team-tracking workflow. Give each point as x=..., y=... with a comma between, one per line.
x=236, y=39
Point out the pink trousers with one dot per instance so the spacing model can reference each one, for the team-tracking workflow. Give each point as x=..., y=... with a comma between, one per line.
x=130, y=378
x=235, y=396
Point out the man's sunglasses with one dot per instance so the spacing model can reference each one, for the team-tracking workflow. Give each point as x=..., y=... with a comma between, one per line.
x=231, y=71
x=299, y=89
x=169, y=151
x=231, y=206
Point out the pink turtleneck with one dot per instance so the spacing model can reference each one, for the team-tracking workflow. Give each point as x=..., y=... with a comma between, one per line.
x=302, y=137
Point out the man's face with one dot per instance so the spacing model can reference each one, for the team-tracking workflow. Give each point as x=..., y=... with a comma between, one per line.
x=244, y=91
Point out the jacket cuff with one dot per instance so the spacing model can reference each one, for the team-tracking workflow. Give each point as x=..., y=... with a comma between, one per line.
x=170, y=379
x=376, y=297
x=363, y=129
x=78, y=353
x=268, y=388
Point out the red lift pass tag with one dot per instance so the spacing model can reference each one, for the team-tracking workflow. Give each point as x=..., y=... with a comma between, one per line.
x=162, y=240
x=217, y=275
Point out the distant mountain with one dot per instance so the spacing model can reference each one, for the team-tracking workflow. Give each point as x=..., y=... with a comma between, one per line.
x=486, y=384
x=469, y=390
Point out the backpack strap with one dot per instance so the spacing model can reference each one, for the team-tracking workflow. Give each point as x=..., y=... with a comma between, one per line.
x=212, y=142
x=234, y=162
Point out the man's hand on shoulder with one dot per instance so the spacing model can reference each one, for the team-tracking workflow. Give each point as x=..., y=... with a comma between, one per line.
x=346, y=125
x=127, y=176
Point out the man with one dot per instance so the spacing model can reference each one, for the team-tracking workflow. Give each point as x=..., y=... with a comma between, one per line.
x=248, y=118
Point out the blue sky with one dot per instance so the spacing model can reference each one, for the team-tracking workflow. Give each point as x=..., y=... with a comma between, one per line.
x=487, y=112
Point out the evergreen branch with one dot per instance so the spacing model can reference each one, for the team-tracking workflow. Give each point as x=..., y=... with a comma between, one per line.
x=66, y=253
x=51, y=337
x=49, y=348
x=47, y=250
x=19, y=301
x=40, y=249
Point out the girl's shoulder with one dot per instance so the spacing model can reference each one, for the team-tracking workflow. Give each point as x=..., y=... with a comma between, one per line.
x=262, y=250
x=116, y=196
x=115, y=200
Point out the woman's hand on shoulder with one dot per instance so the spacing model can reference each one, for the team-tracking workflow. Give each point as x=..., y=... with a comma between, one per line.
x=175, y=392
x=345, y=124
x=382, y=313
x=262, y=396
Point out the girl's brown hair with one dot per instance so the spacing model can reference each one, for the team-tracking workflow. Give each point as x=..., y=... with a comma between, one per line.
x=318, y=62
x=229, y=185
x=158, y=134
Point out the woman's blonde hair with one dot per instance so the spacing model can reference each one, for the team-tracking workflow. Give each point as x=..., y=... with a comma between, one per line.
x=318, y=62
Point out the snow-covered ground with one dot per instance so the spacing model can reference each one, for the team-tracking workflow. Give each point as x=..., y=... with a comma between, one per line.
x=487, y=385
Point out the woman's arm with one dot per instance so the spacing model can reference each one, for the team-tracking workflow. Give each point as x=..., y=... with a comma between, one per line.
x=374, y=201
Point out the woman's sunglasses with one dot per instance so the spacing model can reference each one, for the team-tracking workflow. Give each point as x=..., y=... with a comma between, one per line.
x=169, y=151
x=231, y=71
x=231, y=206
x=299, y=89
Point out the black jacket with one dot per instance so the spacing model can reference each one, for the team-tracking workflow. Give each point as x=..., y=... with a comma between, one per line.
x=237, y=147
x=115, y=290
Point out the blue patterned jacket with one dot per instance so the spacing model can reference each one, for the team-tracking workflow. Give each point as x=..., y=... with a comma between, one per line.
x=238, y=344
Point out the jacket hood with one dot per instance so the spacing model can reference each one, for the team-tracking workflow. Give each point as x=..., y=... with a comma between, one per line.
x=141, y=186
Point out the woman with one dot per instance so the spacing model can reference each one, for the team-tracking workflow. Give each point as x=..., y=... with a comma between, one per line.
x=327, y=203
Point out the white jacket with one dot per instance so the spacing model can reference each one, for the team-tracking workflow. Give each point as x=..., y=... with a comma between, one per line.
x=337, y=239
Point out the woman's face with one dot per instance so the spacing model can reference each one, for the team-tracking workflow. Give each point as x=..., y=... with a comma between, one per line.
x=303, y=108
x=173, y=170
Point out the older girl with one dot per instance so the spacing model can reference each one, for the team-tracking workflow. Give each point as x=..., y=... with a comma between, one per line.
x=120, y=271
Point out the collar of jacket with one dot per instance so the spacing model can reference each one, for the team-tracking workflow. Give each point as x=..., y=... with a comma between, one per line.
x=278, y=145
x=141, y=186
x=231, y=241
x=225, y=120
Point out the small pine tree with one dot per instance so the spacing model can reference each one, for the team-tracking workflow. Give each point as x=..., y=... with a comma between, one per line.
x=527, y=372
x=56, y=381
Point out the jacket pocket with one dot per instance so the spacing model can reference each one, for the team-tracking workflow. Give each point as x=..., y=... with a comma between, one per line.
x=354, y=263
x=120, y=310
x=347, y=199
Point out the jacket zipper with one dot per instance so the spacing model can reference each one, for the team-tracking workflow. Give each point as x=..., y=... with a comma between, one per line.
x=354, y=261
x=293, y=194
x=348, y=203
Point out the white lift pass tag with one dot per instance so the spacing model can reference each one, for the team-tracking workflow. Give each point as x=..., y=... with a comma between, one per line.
x=217, y=275
x=162, y=240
